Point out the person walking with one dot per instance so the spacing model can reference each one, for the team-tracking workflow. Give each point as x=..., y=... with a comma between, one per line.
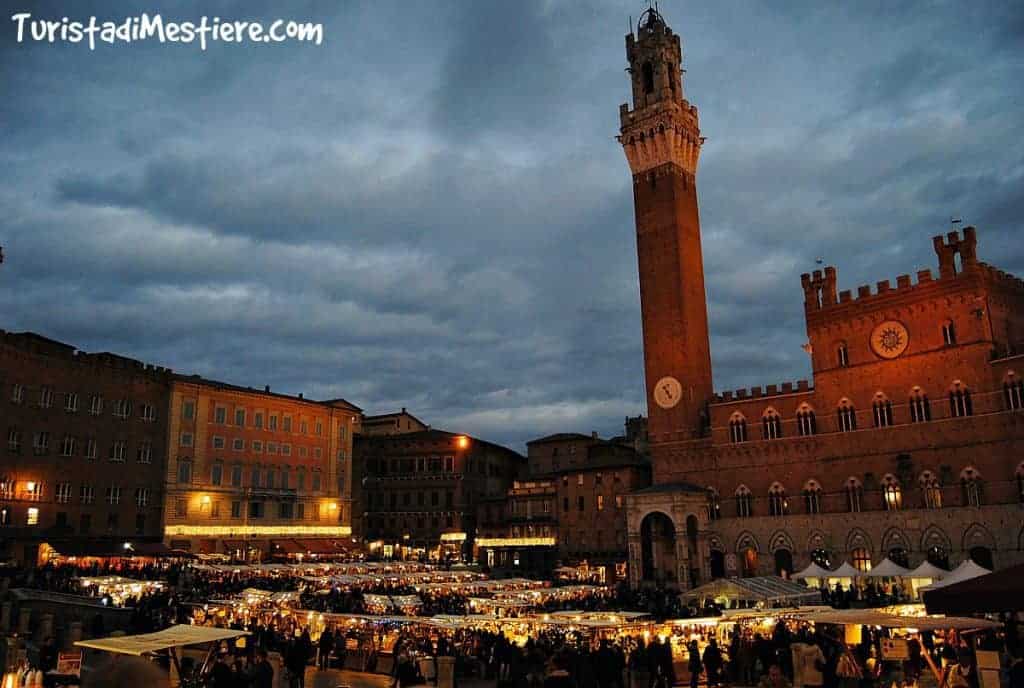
x=713, y=663
x=325, y=647
x=694, y=664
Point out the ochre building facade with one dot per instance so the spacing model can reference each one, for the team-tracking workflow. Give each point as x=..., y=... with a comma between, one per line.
x=908, y=442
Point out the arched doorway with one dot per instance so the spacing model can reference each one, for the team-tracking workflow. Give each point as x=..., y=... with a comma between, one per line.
x=717, y=564
x=691, y=550
x=783, y=563
x=982, y=556
x=938, y=556
x=658, y=548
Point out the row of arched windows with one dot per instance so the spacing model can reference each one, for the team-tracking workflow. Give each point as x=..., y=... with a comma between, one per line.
x=890, y=489
x=882, y=412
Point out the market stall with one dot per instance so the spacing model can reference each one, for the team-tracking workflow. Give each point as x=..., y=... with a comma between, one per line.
x=760, y=591
x=965, y=571
x=998, y=592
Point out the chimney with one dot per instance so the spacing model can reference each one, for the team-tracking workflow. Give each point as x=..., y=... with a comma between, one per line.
x=593, y=435
x=266, y=388
x=300, y=395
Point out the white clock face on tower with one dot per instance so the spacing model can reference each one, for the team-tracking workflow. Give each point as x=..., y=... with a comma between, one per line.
x=667, y=392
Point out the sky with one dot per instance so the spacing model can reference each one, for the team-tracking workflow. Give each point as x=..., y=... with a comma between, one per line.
x=430, y=210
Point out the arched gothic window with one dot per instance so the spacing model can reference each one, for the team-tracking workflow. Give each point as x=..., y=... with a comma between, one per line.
x=960, y=400
x=648, y=75
x=1013, y=392
x=861, y=559
x=892, y=494
x=882, y=411
x=920, y=409
x=714, y=505
x=842, y=355
x=744, y=502
x=931, y=490
x=970, y=482
x=771, y=425
x=778, y=505
x=854, y=495
x=948, y=333
x=805, y=421
x=737, y=428
x=847, y=416
x=812, y=497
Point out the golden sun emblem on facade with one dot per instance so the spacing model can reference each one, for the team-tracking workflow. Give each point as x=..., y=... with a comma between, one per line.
x=889, y=339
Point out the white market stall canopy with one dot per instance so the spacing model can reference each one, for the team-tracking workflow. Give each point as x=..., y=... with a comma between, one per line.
x=757, y=589
x=175, y=636
x=812, y=571
x=887, y=568
x=964, y=571
x=874, y=617
x=928, y=570
x=846, y=571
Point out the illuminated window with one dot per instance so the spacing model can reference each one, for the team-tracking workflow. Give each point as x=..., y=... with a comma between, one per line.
x=600, y=502
x=812, y=497
x=714, y=504
x=32, y=517
x=34, y=490
x=118, y=451
x=847, y=416
x=948, y=333
x=931, y=490
x=744, y=502
x=970, y=482
x=892, y=495
x=778, y=505
x=805, y=421
x=737, y=428
x=920, y=409
x=861, y=559
x=771, y=425
x=1013, y=392
x=842, y=355
x=881, y=411
x=14, y=441
x=960, y=400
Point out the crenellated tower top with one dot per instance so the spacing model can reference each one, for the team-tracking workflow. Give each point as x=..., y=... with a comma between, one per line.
x=662, y=127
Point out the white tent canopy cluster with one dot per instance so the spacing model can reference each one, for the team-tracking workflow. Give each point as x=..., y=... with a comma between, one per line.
x=889, y=569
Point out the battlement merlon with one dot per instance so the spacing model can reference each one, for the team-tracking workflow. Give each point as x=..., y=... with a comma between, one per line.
x=819, y=288
x=947, y=248
x=746, y=394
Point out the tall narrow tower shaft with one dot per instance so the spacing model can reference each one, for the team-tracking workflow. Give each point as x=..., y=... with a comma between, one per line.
x=661, y=138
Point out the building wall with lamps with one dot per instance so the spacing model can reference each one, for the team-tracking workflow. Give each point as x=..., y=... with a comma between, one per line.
x=254, y=473
x=421, y=489
x=84, y=447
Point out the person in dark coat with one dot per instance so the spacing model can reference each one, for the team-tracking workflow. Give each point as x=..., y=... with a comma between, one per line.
x=220, y=674
x=694, y=664
x=263, y=672
x=713, y=662
x=326, y=646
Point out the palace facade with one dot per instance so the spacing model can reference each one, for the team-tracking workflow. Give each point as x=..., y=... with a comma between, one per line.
x=909, y=441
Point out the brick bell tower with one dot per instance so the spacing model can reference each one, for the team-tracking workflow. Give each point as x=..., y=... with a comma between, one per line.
x=661, y=139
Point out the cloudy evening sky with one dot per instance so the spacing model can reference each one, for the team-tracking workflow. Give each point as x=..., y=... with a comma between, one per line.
x=430, y=209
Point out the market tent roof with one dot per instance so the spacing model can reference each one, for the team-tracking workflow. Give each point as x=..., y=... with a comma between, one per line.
x=175, y=636
x=812, y=571
x=758, y=589
x=846, y=571
x=287, y=547
x=928, y=570
x=961, y=573
x=102, y=548
x=1001, y=591
x=887, y=568
x=874, y=617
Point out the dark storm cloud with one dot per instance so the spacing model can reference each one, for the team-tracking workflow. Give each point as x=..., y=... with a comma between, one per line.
x=430, y=209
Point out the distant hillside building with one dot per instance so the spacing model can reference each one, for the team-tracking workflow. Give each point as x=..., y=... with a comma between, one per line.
x=398, y=423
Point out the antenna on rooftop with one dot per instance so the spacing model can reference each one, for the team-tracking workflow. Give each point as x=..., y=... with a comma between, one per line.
x=954, y=220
